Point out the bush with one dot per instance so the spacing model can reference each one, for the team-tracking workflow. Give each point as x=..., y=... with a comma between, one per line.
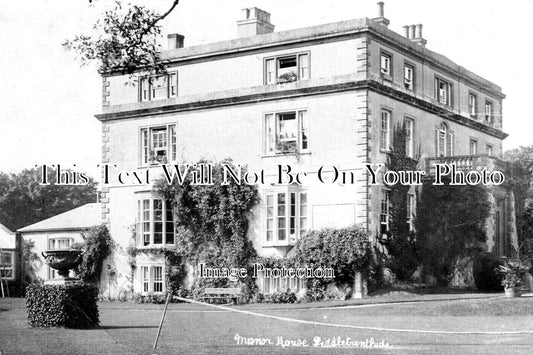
x=72, y=306
x=485, y=276
x=280, y=297
x=150, y=298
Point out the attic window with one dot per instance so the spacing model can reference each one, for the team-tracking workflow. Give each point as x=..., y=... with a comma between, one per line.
x=287, y=68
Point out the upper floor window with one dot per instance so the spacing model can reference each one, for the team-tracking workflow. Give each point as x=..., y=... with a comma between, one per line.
x=384, y=139
x=286, y=216
x=490, y=151
x=489, y=114
x=158, y=87
x=155, y=222
x=386, y=64
x=158, y=144
x=473, y=147
x=59, y=243
x=409, y=76
x=286, y=132
x=7, y=264
x=443, y=91
x=443, y=141
x=409, y=137
x=472, y=105
x=287, y=68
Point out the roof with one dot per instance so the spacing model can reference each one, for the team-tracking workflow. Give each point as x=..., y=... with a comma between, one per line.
x=7, y=238
x=83, y=217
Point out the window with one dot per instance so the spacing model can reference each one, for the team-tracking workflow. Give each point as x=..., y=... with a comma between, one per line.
x=155, y=222
x=410, y=211
x=287, y=68
x=286, y=216
x=384, y=141
x=472, y=105
x=443, y=91
x=408, y=76
x=386, y=64
x=443, y=141
x=384, y=213
x=158, y=87
x=409, y=137
x=489, y=115
x=473, y=147
x=7, y=264
x=490, y=151
x=158, y=144
x=276, y=284
x=286, y=132
x=59, y=243
x=151, y=278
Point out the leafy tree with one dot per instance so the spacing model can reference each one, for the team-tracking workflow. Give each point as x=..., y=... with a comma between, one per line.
x=401, y=243
x=23, y=201
x=124, y=40
x=520, y=178
x=450, y=225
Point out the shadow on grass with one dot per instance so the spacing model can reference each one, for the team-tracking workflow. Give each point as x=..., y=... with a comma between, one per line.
x=106, y=327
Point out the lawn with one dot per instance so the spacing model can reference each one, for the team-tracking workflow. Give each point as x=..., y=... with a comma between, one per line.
x=421, y=324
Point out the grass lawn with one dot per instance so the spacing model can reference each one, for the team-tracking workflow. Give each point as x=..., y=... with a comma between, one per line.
x=127, y=328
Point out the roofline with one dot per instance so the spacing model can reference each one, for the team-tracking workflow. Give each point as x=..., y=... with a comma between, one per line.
x=318, y=33
x=77, y=229
x=7, y=230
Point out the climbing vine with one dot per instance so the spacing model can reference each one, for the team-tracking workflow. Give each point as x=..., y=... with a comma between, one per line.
x=97, y=244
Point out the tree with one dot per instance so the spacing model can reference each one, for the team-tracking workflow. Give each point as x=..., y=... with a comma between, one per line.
x=449, y=225
x=401, y=244
x=23, y=201
x=520, y=178
x=125, y=40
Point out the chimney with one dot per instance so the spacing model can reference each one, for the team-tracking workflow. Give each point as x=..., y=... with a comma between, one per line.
x=175, y=41
x=418, y=39
x=406, y=30
x=381, y=15
x=254, y=22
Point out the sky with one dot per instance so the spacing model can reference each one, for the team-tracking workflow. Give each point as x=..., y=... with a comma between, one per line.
x=48, y=101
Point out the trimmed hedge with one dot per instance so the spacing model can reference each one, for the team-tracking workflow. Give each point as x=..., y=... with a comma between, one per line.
x=71, y=306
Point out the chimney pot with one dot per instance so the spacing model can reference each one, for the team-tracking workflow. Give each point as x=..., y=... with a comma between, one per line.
x=406, y=30
x=175, y=41
x=381, y=9
x=381, y=15
x=419, y=31
x=412, y=32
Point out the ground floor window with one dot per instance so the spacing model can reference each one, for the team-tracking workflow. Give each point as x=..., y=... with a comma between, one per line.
x=279, y=284
x=155, y=222
x=152, y=278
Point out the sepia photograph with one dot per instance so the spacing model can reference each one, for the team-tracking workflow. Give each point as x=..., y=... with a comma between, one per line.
x=266, y=177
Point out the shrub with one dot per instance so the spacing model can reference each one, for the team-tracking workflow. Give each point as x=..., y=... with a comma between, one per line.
x=72, y=306
x=97, y=243
x=485, y=276
x=280, y=297
x=345, y=250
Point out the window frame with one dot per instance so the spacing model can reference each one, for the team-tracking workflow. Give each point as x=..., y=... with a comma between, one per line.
x=410, y=137
x=490, y=150
x=276, y=59
x=145, y=237
x=473, y=105
x=473, y=147
x=408, y=65
x=272, y=140
x=171, y=77
x=449, y=91
x=56, y=240
x=385, y=135
x=444, y=132
x=489, y=117
x=389, y=73
x=411, y=209
x=5, y=267
x=384, y=212
x=292, y=216
x=146, y=147
x=147, y=279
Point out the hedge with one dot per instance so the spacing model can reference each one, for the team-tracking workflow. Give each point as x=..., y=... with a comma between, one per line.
x=72, y=306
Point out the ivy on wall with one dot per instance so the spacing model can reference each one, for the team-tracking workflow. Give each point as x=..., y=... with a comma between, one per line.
x=97, y=245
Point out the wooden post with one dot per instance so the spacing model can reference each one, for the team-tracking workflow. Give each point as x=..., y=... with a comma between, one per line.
x=162, y=319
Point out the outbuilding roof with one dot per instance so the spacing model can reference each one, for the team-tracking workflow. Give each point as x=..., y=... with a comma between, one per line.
x=83, y=217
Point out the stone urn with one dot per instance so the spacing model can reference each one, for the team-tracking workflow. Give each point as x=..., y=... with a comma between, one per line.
x=63, y=260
